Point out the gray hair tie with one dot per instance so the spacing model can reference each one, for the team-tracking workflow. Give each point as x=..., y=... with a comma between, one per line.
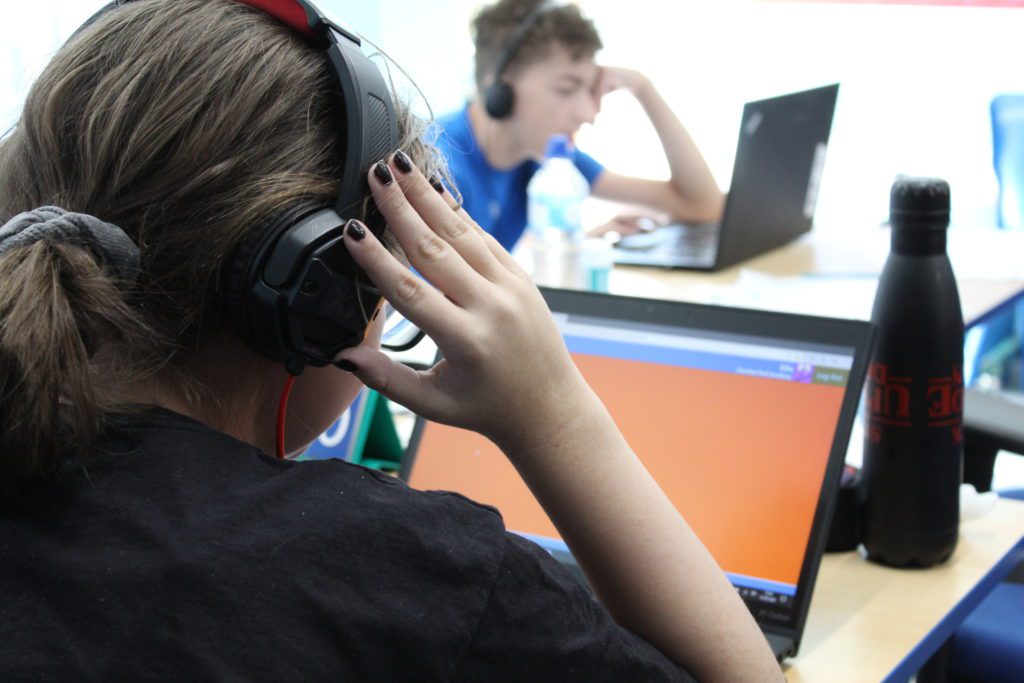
x=109, y=243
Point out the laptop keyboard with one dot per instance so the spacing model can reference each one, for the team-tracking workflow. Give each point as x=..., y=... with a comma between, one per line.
x=691, y=242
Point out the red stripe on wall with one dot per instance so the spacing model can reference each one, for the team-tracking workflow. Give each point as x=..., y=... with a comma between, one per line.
x=948, y=3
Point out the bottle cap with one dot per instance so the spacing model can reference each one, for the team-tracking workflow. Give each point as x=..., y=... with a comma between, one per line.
x=559, y=146
x=919, y=203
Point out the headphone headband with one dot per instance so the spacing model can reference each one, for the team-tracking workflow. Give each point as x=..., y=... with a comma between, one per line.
x=298, y=15
x=519, y=34
x=370, y=126
x=499, y=98
x=295, y=14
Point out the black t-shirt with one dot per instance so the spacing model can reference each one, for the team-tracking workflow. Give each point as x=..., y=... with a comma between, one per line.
x=178, y=552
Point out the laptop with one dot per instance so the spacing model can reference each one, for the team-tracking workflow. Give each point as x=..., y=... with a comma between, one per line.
x=771, y=199
x=742, y=416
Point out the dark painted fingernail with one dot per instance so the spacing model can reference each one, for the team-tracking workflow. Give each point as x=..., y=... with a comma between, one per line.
x=435, y=183
x=383, y=173
x=356, y=230
x=375, y=314
x=346, y=365
x=403, y=162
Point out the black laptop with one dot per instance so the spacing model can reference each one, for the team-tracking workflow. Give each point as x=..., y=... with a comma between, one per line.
x=742, y=416
x=771, y=199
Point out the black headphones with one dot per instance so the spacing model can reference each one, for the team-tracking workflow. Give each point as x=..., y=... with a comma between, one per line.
x=291, y=290
x=500, y=98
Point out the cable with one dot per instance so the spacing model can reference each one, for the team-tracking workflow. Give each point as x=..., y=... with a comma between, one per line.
x=282, y=407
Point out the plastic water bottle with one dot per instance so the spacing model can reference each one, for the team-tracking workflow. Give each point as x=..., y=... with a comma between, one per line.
x=913, y=449
x=555, y=195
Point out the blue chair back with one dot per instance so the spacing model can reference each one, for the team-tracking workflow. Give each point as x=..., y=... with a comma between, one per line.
x=1008, y=157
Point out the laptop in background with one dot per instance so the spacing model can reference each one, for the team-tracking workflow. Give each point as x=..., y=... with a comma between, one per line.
x=742, y=416
x=771, y=199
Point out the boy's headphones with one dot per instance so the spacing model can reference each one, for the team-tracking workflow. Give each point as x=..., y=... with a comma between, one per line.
x=291, y=290
x=499, y=98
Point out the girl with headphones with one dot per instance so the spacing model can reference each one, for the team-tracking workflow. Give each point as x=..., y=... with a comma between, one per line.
x=536, y=77
x=179, y=246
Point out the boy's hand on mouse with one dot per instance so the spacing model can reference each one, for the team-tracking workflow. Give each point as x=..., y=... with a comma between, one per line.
x=506, y=372
x=628, y=224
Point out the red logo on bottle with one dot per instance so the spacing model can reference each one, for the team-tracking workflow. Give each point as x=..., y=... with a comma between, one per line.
x=946, y=402
x=889, y=400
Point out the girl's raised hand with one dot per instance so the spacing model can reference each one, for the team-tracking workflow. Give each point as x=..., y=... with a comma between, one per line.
x=506, y=372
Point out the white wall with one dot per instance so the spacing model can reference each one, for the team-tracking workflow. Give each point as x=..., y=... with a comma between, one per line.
x=916, y=84
x=916, y=81
x=29, y=34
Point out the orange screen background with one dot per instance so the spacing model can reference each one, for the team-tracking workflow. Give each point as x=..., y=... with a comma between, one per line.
x=742, y=458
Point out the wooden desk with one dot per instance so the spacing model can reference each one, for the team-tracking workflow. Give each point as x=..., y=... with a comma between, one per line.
x=835, y=273
x=871, y=623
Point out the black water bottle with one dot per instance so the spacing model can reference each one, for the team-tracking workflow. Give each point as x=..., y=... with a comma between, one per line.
x=913, y=449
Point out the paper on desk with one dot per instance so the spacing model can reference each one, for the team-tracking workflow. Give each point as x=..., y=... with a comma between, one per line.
x=837, y=296
x=976, y=253
x=974, y=504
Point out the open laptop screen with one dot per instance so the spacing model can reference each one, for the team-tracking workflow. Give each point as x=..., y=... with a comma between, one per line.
x=738, y=429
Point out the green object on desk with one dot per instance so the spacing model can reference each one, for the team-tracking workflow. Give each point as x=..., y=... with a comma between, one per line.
x=377, y=445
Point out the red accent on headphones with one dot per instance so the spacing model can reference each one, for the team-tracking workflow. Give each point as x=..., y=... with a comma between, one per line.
x=288, y=12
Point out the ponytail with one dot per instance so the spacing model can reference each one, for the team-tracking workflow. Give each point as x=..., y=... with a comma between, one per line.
x=62, y=305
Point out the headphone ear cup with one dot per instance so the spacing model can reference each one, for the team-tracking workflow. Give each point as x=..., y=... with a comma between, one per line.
x=241, y=271
x=499, y=100
x=234, y=276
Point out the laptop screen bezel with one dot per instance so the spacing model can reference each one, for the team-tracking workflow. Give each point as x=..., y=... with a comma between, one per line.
x=852, y=334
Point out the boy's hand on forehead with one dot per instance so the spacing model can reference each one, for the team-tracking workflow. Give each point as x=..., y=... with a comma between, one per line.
x=506, y=372
x=612, y=78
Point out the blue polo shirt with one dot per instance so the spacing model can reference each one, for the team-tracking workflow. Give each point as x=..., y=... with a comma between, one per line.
x=496, y=199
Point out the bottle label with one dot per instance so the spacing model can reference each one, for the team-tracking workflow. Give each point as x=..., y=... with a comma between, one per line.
x=890, y=399
x=555, y=213
x=945, y=398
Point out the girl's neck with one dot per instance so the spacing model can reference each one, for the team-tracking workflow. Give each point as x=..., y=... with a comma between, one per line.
x=230, y=388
